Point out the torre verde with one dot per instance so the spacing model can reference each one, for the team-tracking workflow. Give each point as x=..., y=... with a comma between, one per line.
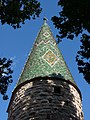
x=46, y=89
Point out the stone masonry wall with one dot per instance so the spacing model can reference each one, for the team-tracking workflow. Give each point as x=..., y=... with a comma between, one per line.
x=46, y=100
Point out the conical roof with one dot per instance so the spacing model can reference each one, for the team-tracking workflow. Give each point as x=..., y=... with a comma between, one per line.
x=45, y=58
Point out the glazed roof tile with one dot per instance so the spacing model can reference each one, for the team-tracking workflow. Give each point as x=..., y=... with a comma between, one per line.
x=45, y=59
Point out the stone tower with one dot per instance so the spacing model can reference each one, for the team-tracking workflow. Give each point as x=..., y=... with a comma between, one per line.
x=46, y=89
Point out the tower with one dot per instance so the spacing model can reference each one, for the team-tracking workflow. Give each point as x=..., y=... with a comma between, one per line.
x=46, y=89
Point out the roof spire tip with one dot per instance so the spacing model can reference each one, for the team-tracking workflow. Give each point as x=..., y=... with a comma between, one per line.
x=45, y=20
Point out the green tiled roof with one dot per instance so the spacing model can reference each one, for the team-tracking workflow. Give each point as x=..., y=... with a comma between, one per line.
x=45, y=59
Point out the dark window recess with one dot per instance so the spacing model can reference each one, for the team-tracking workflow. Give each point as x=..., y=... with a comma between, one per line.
x=50, y=100
x=57, y=89
x=66, y=102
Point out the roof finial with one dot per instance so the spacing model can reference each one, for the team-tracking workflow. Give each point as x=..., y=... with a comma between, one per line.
x=45, y=20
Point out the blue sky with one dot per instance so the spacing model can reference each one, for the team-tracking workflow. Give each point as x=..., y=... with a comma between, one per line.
x=16, y=44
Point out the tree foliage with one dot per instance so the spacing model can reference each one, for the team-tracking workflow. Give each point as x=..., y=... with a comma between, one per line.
x=83, y=57
x=74, y=20
x=15, y=12
x=5, y=76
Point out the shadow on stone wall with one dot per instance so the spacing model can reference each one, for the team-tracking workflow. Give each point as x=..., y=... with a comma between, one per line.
x=49, y=98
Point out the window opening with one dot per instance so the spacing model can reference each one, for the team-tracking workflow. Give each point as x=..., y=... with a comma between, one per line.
x=66, y=102
x=57, y=89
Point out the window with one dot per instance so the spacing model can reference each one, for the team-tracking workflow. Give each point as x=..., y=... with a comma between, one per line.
x=66, y=102
x=57, y=89
x=50, y=100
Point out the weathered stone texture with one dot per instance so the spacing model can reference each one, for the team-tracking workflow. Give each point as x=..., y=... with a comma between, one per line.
x=46, y=100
